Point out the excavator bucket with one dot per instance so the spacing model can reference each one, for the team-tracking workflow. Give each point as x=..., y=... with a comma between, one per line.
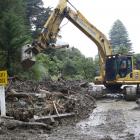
x=27, y=59
x=27, y=63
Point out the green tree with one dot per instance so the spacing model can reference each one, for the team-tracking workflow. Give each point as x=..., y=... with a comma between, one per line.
x=69, y=69
x=119, y=38
x=36, y=15
x=40, y=69
x=71, y=64
x=67, y=63
x=136, y=61
x=13, y=34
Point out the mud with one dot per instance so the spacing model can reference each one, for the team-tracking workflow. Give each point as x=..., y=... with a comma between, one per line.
x=111, y=120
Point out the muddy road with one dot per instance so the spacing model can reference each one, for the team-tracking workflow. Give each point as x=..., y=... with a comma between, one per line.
x=117, y=120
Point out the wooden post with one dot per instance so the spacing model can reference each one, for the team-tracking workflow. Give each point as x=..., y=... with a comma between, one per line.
x=2, y=101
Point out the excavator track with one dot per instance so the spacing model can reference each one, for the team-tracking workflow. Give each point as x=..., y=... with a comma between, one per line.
x=113, y=87
x=130, y=93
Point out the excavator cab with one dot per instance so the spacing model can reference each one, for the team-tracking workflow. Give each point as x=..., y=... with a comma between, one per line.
x=118, y=66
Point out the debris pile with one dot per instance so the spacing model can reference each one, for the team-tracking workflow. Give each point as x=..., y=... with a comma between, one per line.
x=49, y=100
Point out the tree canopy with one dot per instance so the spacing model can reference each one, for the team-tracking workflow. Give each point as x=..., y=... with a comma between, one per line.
x=13, y=33
x=119, y=38
x=36, y=15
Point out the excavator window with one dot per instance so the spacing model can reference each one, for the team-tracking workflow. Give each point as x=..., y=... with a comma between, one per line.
x=111, y=68
x=138, y=64
x=124, y=66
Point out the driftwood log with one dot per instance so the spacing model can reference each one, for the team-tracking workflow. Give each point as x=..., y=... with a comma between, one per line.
x=13, y=124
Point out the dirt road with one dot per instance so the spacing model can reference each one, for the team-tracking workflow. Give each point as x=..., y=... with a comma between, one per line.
x=117, y=120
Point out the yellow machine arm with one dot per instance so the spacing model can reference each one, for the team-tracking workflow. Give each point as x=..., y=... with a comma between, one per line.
x=50, y=31
x=93, y=33
x=49, y=34
x=47, y=37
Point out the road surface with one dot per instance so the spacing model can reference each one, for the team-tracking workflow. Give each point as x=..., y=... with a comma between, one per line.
x=112, y=119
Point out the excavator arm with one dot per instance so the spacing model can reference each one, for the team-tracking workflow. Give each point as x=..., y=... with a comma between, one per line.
x=49, y=34
x=93, y=33
x=47, y=37
x=50, y=31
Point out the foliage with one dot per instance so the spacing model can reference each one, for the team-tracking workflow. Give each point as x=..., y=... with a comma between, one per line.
x=71, y=64
x=36, y=15
x=119, y=38
x=69, y=69
x=65, y=64
x=13, y=34
x=137, y=61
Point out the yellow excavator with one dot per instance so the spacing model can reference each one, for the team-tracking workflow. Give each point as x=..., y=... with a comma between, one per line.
x=115, y=70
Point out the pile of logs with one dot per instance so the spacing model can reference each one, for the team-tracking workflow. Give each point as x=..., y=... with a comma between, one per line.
x=46, y=102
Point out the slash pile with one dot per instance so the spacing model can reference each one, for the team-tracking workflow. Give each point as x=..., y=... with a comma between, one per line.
x=27, y=100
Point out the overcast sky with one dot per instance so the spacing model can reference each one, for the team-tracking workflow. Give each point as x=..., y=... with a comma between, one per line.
x=102, y=14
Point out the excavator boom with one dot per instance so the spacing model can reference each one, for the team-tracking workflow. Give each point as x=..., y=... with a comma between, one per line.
x=93, y=33
x=48, y=36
